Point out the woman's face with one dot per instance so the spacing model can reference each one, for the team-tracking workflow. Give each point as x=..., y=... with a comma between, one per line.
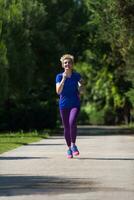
x=67, y=64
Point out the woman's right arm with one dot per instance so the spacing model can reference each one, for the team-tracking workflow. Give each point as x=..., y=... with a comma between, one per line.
x=60, y=85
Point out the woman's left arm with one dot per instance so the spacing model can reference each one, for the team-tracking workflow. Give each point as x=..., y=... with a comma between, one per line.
x=81, y=86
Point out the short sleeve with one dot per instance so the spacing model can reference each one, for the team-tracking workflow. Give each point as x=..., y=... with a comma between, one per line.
x=78, y=76
x=58, y=78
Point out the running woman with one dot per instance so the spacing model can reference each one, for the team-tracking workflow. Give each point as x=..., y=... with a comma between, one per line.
x=67, y=87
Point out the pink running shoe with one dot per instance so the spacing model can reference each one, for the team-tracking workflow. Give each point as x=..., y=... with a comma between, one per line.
x=75, y=150
x=69, y=153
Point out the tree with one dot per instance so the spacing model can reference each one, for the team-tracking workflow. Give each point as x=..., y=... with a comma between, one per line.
x=105, y=49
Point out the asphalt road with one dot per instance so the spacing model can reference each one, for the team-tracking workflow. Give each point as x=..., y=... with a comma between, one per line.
x=104, y=170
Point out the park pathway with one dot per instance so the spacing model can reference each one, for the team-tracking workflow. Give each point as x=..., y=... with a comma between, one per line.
x=40, y=171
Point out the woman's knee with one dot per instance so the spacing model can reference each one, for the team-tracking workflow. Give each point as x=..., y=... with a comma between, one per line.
x=72, y=123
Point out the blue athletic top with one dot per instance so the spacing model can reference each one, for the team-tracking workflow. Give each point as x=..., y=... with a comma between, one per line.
x=69, y=97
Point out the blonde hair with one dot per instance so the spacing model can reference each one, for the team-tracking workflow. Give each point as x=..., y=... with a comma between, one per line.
x=67, y=56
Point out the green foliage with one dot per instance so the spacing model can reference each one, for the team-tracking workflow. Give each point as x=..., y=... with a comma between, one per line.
x=95, y=116
x=107, y=54
x=130, y=94
x=33, y=36
x=3, y=72
x=24, y=71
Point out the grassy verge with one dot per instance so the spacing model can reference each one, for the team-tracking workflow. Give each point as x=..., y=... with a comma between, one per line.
x=129, y=126
x=10, y=141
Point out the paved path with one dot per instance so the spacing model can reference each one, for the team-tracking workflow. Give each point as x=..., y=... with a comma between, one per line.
x=40, y=171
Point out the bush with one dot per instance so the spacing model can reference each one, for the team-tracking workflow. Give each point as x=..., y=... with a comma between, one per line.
x=109, y=116
x=91, y=114
x=83, y=117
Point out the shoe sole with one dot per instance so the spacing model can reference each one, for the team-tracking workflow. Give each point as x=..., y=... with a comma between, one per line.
x=76, y=153
x=69, y=157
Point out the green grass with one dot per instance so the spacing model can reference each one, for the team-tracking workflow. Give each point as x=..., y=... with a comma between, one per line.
x=130, y=126
x=9, y=141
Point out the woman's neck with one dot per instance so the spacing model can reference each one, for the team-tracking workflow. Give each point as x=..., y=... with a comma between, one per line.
x=69, y=73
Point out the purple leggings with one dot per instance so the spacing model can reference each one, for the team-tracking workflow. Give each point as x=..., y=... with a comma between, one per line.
x=69, y=117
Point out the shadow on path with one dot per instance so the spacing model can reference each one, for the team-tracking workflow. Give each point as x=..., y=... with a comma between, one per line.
x=86, y=158
x=27, y=185
x=50, y=185
x=50, y=144
x=20, y=158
